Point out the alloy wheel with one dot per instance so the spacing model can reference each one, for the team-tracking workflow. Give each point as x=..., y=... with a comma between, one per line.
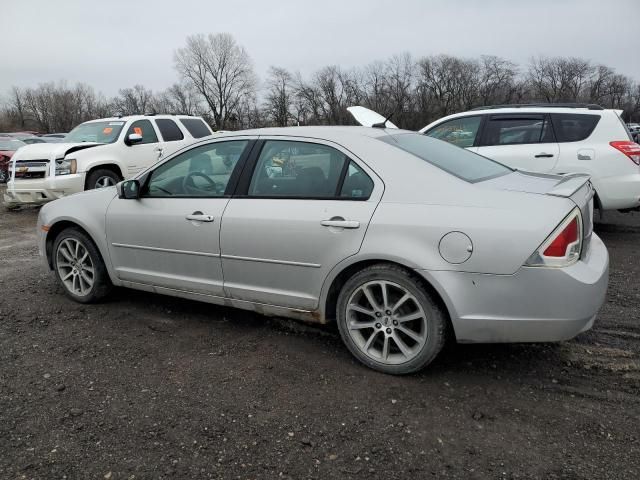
x=104, y=181
x=386, y=322
x=75, y=267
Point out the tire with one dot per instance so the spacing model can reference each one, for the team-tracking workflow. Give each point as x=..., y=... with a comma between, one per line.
x=84, y=279
x=358, y=321
x=101, y=178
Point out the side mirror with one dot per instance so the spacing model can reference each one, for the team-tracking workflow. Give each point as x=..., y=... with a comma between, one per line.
x=132, y=139
x=129, y=189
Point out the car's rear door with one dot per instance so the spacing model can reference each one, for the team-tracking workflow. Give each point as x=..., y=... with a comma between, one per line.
x=524, y=141
x=302, y=206
x=170, y=236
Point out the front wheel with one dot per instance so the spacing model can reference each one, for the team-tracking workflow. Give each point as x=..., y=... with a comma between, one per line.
x=102, y=178
x=388, y=320
x=79, y=267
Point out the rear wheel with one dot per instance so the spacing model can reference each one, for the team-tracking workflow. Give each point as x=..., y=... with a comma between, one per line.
x=102, y=178
x=388, y=320
x=79, y=267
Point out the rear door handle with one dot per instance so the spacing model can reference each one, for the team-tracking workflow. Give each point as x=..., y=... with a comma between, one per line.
x=340, y=223
x=544, y=155
x=199, y=217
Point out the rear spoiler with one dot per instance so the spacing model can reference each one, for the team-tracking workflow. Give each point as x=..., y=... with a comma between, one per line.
x=570, y=184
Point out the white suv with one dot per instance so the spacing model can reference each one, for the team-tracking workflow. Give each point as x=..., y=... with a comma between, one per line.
x=554, y=138
x=98, y=153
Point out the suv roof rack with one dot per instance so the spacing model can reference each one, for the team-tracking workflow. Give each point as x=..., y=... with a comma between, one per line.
x=588, y=106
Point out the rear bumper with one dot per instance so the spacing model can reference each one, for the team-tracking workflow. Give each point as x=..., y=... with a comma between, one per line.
x=618, y=192
x=533, y=305
x=43, y=190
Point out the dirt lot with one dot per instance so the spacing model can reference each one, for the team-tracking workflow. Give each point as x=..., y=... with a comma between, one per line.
x=145, y=386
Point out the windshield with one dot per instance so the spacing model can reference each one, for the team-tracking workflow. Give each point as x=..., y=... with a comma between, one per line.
x=100, y=132
x=454, y=160
x=11, y=145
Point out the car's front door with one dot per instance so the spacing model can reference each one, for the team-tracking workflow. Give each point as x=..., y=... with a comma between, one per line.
x=170, y=236
x=460, y=131
x=138, y=156
x=521, y=141
x=301, y=207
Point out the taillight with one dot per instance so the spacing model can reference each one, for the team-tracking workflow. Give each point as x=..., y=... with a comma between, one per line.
x=630, y=149
x=563, y=247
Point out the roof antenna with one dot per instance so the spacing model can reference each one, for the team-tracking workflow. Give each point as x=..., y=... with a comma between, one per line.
x=383, y=124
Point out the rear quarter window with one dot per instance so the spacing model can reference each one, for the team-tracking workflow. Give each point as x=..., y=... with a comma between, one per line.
x=573, y=127
x=196, y=127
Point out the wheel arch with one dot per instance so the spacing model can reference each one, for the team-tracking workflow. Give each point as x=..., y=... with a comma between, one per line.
x=330, y=299
x=56, y=229
x=108, y=165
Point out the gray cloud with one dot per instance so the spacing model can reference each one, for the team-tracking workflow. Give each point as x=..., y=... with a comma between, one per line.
x=117, y=44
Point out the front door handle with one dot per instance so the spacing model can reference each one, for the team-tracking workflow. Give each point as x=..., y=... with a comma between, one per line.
x=340, y=222
x=199, y=217
x=544, y=155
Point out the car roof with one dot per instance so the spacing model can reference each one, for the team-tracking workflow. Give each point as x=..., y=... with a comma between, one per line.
x=126, y=118
x=320, y=132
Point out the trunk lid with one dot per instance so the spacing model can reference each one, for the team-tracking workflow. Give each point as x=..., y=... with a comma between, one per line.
x=369, y=118
x=575, y=186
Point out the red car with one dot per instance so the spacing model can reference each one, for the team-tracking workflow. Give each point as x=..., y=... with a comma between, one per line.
x=8, y=146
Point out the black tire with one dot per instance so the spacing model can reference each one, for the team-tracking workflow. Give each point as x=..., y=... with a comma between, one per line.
x=101, y=282
x=100, y=174
x=435, y=318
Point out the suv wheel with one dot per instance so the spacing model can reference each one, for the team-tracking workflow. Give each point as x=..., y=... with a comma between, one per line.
x=388, y=320
x=102, y=178
x=79, y=267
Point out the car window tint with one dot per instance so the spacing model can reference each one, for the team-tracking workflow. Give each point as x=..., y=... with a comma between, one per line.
x=169, y=130
x=573, y=127
x=459, y=162
x=459, y=131
x=357, y=184
x=144, y=128
x=297, y=169
x=196, y=127
x=516, y=130
x=203, y=171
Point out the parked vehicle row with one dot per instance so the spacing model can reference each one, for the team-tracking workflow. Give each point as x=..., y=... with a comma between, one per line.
x=400, y=238
x=98, y=153
x=554, y=139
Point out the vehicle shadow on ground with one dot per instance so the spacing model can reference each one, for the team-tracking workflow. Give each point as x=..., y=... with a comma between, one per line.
x=494, y=359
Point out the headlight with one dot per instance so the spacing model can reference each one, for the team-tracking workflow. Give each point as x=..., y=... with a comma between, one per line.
x=65, y=166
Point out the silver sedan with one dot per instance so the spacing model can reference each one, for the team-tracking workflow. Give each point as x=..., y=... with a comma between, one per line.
x=401, y=239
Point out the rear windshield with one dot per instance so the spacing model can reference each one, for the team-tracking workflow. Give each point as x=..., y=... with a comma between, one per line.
x=573, y=127
x=454, y=160
x=100, y=132
x=196, y=127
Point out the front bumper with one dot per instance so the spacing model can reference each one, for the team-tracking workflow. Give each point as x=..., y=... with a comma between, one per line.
x=535, y=304
x=43, y=190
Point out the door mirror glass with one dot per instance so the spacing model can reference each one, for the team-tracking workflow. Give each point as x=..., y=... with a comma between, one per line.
x=133, y=138
x=129, y=189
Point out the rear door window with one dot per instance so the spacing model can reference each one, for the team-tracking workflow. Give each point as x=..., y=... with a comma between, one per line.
x=517, y=130
x=196, y=127
x=573, y=127
x=461, y=131
x=169, y=130
x=299, y=170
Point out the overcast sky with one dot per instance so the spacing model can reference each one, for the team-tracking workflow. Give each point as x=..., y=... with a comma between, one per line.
x=116, y=44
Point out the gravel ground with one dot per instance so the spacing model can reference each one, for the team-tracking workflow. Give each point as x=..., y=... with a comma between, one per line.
x=146, y=386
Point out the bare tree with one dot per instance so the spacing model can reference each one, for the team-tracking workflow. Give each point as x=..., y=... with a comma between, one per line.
x=279, y=96
x=133, y=101
x=220, y=70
